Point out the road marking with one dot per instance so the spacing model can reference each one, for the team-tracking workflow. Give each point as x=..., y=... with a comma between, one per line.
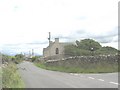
x=71, y=73
x=113, y=83
x=76, y=74
x=101, y=80
x=91, y=77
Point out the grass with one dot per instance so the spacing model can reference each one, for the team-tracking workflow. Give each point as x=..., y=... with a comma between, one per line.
x=90, y=68
x=0, y=71
x=0, y=78
x=11, y=77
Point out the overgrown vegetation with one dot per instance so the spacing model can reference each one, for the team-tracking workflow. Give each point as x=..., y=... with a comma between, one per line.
x=10, y=74
x=5, y=58
x=0, y=71
x=35, y=58
x=18, y=58
x=83, y=68
x=11, y=77
x=15, y=59
x=0, y=78
x=88, y=47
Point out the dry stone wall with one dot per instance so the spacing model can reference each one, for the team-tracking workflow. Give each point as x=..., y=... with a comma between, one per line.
x=84, y=60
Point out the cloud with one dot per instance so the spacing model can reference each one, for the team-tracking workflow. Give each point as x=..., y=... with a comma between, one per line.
x=26, y=25
x=13, y=49
x=37, y=43
x=107, y=37
x=81, y=18
x=104, y=37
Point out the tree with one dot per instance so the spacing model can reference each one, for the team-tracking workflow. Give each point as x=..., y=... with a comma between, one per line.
x=19, y=58
x=88, y=47
x=88, y=44
x=5, y=58
x=107, y=50
x=34, y=58
x=70, y=50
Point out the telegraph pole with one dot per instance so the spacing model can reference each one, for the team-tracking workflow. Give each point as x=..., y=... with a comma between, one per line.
x=32, y=52
x=29, y=54
x=49, y=44
x=49, y=37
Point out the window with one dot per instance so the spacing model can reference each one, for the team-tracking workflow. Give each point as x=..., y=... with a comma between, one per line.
x=57, y=51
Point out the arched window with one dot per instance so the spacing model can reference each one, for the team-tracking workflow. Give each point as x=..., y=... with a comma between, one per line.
x=57, y=51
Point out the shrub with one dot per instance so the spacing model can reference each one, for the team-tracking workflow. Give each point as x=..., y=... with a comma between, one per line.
x=11, y=78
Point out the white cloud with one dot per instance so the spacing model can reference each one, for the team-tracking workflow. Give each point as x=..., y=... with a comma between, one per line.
x=112, y=44
x=26, y=21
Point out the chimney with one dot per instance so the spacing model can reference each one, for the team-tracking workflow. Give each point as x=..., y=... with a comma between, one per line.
x=56, y=40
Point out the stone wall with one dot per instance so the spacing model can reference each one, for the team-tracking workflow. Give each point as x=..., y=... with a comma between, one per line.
x=84, y=60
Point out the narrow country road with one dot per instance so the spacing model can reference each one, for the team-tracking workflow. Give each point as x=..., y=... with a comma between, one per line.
x=35, y=77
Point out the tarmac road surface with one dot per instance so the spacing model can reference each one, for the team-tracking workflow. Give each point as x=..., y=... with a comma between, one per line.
x=35, y=77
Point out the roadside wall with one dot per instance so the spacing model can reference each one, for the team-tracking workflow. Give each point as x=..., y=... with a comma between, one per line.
x=84, y=60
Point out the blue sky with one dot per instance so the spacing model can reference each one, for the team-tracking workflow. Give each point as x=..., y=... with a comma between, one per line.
x=25, y=23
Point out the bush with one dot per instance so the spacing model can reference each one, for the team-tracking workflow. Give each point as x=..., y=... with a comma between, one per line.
x=11, y=78
x=18, y=58
x=34, y=59
x=88, y=47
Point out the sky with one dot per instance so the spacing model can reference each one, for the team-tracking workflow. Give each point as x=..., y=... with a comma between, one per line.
x=24, y=24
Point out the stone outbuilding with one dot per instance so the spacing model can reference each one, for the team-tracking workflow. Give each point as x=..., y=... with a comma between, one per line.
x=55, y=50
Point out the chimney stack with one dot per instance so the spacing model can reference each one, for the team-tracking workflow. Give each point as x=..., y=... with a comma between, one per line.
x=56, y=40
x=49, y=37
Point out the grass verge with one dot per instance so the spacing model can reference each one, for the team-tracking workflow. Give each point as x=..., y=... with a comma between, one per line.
x=11, y=77
x=91, y=68
x=0, y=78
